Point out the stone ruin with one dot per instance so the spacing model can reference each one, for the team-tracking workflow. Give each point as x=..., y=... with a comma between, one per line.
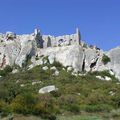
x=44, y=41
x=14, y=48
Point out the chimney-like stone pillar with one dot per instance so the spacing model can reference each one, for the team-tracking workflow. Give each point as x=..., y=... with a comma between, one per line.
x=37, y=32
x=78, y=35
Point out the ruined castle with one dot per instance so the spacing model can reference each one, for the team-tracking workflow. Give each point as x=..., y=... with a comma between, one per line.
x=45, y=41
x=69, y=50
x=14, y=48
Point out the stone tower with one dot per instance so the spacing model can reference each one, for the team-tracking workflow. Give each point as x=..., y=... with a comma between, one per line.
x=37, y=32
x=78, y=35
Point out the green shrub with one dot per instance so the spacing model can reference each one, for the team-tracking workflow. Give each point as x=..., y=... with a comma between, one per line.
x=68, y=99
x=17, y=105
x=7, y=110
x=52, y=117
x=96, y=98
x=75, y=108
x=4, y=108
x=56, y=93
x=2, y=105
x=45, y=110
x=4, y=93
x=105, y=59
x=85, y=45
x=24, y=103
x=115, y=100
x=57, y=64
x=115, y=113
x=2, y=73
x=29, y=98
x=46, y=107
x=103, y=74
x=96, y=108
x=6, y=70
x=70, y=103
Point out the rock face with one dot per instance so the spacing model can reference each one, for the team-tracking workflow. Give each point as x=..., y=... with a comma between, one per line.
x=69, y=50
x=67, y=55
x=14, y=49
x=114, y=65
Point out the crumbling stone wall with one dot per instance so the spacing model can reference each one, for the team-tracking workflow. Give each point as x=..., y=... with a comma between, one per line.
x=65, y=40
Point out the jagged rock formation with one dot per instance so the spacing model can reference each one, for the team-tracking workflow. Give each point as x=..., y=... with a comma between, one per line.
x=114, y=65
x=69, y=50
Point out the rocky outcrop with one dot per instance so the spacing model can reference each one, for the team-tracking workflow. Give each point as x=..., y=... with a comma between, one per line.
x=114, y=65
x=91, y=58
x=69, y=50
x=67, y=55
x=28, y=47
x=14, y=49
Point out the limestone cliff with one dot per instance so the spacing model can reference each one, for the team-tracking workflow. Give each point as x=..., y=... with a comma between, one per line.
x=69, y=50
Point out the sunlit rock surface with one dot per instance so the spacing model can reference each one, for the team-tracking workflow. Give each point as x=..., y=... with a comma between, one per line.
x=69, y=50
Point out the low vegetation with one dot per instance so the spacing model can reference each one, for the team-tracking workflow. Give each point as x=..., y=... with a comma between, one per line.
x=75, y=94
x=6, y=70
x=105, y=59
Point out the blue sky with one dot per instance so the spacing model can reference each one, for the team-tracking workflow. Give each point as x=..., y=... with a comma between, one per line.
x=98, y=20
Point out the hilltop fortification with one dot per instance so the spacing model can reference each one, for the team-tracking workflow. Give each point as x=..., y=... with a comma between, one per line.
x=69, y=50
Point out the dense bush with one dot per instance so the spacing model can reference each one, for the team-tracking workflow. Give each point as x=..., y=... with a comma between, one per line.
x=46, y=107
x=2, y=73
x=4, y=108
x=2, y=105
x=74, y=108
x=96, y=98
x=24, y=103
x=56, y=93
x=57, y=64
x=4, y=93
x=6, y=70
x=115, y=113
x=105, y=59
x=96, y=108
x=70, y=103
x=43, y=105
